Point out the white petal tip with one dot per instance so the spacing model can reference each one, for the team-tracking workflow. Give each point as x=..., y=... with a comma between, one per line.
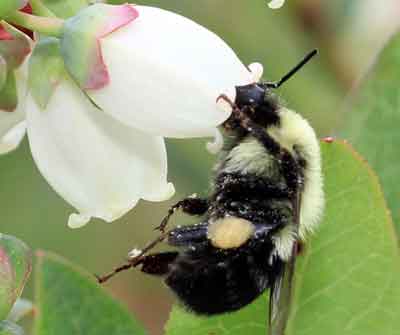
x=170, y=191
x=167, y=193
x=218, y=143
x=12, y=138
x=78, y=220
x=256, y=70
x=276, y=4
x=115, y=211
x=162, y=194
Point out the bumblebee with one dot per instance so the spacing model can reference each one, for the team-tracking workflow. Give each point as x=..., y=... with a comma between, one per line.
x=267, y=196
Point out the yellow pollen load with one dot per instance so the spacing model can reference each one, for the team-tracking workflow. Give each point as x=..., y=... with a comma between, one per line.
x=230, y=232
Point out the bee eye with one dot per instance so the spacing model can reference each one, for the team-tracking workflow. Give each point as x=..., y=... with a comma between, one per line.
x=249, y=95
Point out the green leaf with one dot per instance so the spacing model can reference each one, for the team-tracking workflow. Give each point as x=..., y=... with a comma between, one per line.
x=9, y=328
x=373, y=119
x=15, y=267
x=347, y=280
x=71, y=302
x=250, y=320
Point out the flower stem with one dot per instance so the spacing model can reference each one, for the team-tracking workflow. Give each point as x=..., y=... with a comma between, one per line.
x=39, y=8
x=44, y=25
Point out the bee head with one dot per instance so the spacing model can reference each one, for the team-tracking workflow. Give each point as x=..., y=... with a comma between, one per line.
x=249, y=95
x=257, y=101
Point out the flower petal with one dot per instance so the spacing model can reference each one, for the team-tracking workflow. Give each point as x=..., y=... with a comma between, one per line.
x=256, y=70
x=276, y=4
x=100, y=166
x=12, y=138
x=80, y=44
x=169, y=71
x=12, y=125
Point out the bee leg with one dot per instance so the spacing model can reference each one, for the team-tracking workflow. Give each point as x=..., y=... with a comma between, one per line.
x=102, y=279
x=290, y=167
x=225, y=98
x=251, y=127
x=190, y=205
x=188, y=235
x=260, y=135
x=158, y=264
x=134, y=261
x=155, y=264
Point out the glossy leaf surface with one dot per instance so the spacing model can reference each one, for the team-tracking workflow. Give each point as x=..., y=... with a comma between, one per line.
x=373, y=119
x=71, y=302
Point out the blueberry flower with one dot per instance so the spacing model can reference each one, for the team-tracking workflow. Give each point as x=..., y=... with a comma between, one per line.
x=106, y=90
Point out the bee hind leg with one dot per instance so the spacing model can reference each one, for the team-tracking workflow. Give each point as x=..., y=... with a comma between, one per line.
x=188, y=235
x=158, y=264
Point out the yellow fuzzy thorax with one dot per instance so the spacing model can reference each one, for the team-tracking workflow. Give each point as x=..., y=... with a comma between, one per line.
x=292, y=131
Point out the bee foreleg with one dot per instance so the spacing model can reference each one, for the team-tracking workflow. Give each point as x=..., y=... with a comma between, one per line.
x=290, y=167
x=259, y=133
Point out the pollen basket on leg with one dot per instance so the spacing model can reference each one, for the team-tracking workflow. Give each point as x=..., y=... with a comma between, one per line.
x=230, y=232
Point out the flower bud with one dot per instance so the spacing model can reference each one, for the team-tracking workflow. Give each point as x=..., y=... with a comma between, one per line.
x=15, y=267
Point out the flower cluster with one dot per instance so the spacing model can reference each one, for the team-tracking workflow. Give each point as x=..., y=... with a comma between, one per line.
x=99, y=93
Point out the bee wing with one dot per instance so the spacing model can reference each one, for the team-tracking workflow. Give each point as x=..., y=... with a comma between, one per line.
x=280, y=298
x=281, y=289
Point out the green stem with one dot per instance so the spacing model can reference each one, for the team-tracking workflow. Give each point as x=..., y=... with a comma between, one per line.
x=39, y=8
x=44, y=25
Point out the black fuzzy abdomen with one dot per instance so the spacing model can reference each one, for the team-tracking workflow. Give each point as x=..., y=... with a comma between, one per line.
x=212, y=281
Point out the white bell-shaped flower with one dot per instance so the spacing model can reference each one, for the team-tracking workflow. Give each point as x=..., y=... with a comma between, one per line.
x=165, y=71
x=153, y=74
x=96, y=163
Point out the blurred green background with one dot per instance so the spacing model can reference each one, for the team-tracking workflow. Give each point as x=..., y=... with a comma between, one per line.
x=348, y=35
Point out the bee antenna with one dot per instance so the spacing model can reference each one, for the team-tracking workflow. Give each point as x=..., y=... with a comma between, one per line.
x=287, y=76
